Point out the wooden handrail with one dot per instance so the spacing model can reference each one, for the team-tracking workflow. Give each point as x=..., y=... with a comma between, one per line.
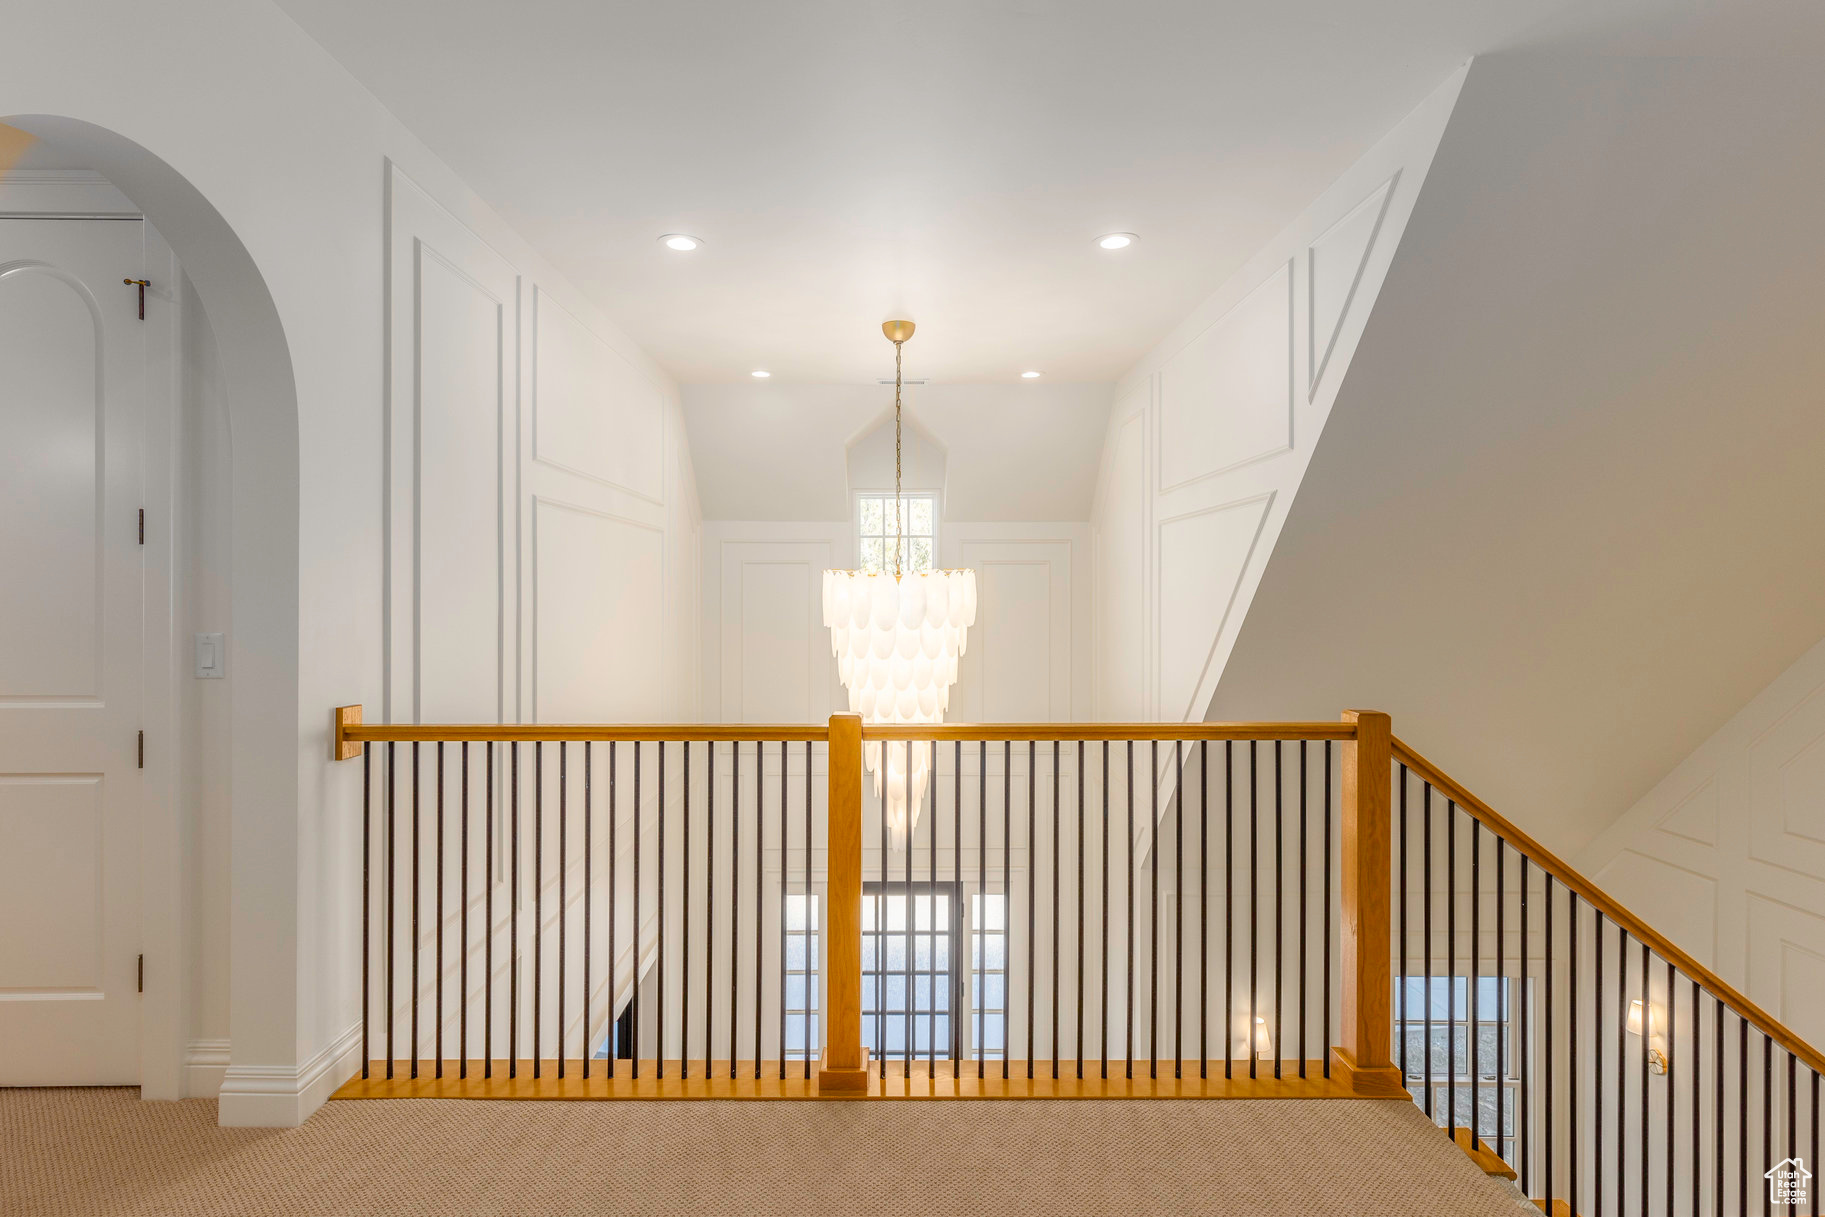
x=1638, y=929
x=351, y=732
x=1022, y=732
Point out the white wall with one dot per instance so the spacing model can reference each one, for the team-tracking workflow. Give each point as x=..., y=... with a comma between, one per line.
x=266, y=166
x=1212, y=432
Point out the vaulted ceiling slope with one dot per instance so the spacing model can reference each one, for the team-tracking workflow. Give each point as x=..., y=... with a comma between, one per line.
x=1567, y=514
x=950, y=161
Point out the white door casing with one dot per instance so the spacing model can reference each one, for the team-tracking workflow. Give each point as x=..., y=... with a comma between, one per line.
x=71, y=669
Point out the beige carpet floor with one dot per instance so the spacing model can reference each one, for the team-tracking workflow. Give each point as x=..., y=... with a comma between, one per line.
x=102, y=1153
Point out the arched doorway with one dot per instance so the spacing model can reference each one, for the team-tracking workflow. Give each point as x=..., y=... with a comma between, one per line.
x=258, y=388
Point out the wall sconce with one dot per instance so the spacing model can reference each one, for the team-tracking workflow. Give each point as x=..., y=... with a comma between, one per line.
x=1657, y=1058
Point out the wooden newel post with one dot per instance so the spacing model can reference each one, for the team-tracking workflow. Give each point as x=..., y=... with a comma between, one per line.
x=845, y=1065
x=1363, y=1055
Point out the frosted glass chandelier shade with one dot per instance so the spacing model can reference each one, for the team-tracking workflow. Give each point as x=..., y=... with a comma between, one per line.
x=897, y=641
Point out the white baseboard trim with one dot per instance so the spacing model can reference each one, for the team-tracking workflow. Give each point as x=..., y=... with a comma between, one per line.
x=281, y=1096
x=205, y=1065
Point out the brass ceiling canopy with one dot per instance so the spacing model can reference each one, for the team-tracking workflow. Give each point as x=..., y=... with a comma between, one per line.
x=897, y=331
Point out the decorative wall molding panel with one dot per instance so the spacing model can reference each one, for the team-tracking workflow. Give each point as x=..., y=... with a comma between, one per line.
x=1334, y=264
x=1212, y=419
x=1721, y=854
x=519, y=431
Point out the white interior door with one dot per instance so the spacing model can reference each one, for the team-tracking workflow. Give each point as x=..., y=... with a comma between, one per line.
x=72, y=379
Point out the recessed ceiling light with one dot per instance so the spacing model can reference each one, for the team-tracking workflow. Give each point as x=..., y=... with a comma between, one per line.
x=1117, y=240
x=679, y=242
x=1029, y=376
x=758, y=374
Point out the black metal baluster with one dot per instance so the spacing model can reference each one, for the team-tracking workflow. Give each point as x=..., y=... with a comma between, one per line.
x=1767, y=1102
x=1079, y=1042
x=634, y=998
x=392, y=899
x=462, y=963
x=1128, y=888
x=880, y=929
x=1178, y=907
x=1054, y=910
x=659, y=974
x=1329, y=746
x=513, y=926
x=538, y=895
x=1647, y=1014
x=1717, y=1103
x=1229, y=909
x=612, y=1039
x=589, y=871
x=438, y=978
x=735, y=904
x=709, y=918
x=1473, y=1045
x=1426, y=932
x=1697, y=1098
x=1203, y=909
x=1792, y=1131
x=1279, y=901
x=1007, y=922
x=1032, y=888
x=684, y=950
x=1597, y=1064
x=563, y=885
x=785, y=885
x=1814, y=1126
x=1524, y=1130
x=1574, y=1148
x=1504, y=1004
x=1403, y=980
x=931, y=961
x=981, y=1022
x=760, y=910
x=909, y=909
x=488, y=917
x=1546, y=1110
x=1304, y=860
x=811, y=973
x=1254, y=900
x=1153, y=923
x=1451, y=967
x=1103, y=973
x=367, y=872
x=1621, y=1064
x=415, y=931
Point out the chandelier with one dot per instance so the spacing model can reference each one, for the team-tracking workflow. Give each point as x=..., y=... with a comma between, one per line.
x=897, y=636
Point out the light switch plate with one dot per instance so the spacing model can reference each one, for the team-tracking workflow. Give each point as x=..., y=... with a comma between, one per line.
x=211, y=657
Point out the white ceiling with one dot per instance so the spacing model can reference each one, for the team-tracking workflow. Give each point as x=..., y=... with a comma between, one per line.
x=951, y=162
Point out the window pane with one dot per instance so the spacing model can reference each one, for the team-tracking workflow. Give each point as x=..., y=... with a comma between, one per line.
x=795, y=952
x=896, y=992
x=993, y=991
x=871, y=516
x=921, y=517
x=795, y=992
x=873, y=555
x=920, y=554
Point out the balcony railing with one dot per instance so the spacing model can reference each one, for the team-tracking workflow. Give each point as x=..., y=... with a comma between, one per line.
x=1075, y=910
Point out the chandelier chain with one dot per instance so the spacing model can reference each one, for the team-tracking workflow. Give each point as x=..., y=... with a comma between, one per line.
x=898, y=527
